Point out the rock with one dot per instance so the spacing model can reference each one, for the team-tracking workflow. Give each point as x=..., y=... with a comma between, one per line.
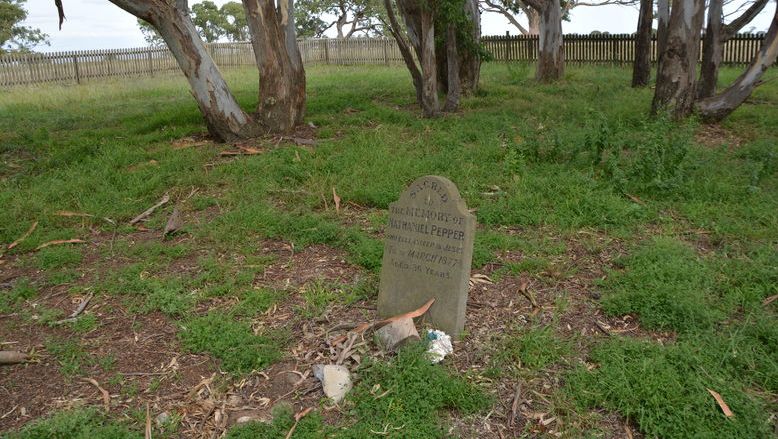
x=394, y=335
x=244, y=419
x=162, y=419
x=335, y=380
x=244, y=416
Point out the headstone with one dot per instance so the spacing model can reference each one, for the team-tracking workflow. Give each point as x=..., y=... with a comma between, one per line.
x=428, y=249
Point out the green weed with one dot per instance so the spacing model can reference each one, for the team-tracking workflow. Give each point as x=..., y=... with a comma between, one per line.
x=232, y=341
x=666, y=285
x=418, y=395
x=532, y=349
x=664, y=390
x=70, y=355
x=22, y=290
x=77, y=424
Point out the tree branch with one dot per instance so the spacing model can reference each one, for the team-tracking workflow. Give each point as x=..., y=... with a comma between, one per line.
x=729, y=30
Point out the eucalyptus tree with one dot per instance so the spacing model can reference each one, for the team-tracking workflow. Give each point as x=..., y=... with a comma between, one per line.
x=676, y=84
x=272, y=29
x=445, y=38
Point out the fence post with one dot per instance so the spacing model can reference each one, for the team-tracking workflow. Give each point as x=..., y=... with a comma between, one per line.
x=151, y=62
x=75, y=68
x=326, y=50
x=386, y=51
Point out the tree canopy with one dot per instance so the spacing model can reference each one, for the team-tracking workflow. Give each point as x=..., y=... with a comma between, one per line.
x=212, y=23
x=13, y=36
x=348, y=17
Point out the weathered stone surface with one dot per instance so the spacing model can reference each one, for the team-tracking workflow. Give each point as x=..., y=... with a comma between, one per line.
x=335, y=380
x=427, y=253
x=394, y=335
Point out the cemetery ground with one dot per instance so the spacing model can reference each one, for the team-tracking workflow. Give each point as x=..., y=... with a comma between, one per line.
x=623, y=266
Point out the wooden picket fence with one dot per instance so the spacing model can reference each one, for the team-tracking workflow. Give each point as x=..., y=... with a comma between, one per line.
x=608, y=49
x=80, y=66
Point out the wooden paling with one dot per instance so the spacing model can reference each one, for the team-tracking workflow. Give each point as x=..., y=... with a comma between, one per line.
x=79, y=66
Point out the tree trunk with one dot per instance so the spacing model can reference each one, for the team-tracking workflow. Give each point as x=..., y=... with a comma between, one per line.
x=225, y=120
x=420, y=26
x=470, y=61
x=551, y=57
x=641, y=70
x=282, y=87
x=676, y=78
x=405, y=50
x=282, y=78
x=711, y=51
x=715, y=36
x=452, y=59
x=429, y=86
x=662, y=20
x=718, y=107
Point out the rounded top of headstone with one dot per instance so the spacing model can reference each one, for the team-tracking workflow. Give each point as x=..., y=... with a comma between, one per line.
x=433, y=190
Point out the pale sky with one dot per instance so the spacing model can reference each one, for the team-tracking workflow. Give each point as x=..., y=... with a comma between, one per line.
x=98, y=24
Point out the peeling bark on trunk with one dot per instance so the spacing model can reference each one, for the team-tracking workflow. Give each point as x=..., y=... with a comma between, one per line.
x=551, y=57
x=641, y=70
x=225, y=120
x=711, y=51
x=452, y=59
x=677, y=76
x=720, y=106
x=282, y=79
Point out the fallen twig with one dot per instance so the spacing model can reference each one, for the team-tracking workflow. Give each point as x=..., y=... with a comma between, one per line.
x=74, y=315
x=297, y=418
x=9, y=412
x=524, y=290
x=635, y=199
x=346, y=349
x=602, y=328
x=106, y=395
x=60, y=242
x=515, y=406
x=336, y=200
x=148, y=422
x=724, y=407
x=242, y=150
x=13, y=357
x=769, y=300
x=150, y=210
x=67, y=213
x=23, y=237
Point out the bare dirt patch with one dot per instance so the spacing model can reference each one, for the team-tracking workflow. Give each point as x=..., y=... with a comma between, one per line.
x=715, y=136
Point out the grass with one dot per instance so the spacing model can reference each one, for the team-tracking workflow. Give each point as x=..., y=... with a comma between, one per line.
x=231, y=341
x=666, y=284
x=70, y=355
x=532, y=349
x=541, y=165
x=405, y=395
x=76, y=424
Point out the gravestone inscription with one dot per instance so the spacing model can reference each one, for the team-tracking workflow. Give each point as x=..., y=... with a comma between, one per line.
x=428, y=250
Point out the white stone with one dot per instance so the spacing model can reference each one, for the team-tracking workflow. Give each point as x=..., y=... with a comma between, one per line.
x=335, y=380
